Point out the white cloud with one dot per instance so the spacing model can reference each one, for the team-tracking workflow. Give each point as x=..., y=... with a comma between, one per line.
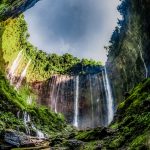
x=80, y=27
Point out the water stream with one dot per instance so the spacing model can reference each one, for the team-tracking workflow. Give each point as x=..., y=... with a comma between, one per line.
x=76, y=104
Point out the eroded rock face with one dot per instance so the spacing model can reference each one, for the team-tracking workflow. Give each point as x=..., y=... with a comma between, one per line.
x=60, y=93
x=129, y=63
x=15, y=7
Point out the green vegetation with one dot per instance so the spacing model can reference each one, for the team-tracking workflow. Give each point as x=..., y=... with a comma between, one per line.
x=15, y=39
x=129, y=47
x=12, y=102
x=12, y=8
x=131, y=128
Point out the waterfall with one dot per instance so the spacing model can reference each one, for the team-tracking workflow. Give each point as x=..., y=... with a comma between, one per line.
x=109, y=96
x=57, y=94
x=76, y=104
x=23, y=74
x=91, y=93
x=141, y=55
x=146, y=70
x=53, y=92
x=85, y=100
x=14, y=67
x=26, y=119
x=39, y=134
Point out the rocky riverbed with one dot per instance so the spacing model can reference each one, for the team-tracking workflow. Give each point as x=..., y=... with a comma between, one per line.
x=15, y=140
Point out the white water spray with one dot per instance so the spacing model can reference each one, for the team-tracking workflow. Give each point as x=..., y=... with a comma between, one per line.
x=23, y=74
x=76, y=105
x=109, y=96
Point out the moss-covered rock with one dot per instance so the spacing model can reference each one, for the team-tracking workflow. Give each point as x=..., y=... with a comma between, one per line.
x=130, y=128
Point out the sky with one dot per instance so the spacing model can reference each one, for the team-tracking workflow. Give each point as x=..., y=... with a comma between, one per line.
x=79, y=27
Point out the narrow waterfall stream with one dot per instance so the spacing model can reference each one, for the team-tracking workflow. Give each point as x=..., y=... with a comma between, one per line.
x=57, y=94
x=146, y=69
x=76, y=104
x=91, y=93
x=27, y=120
x=109, y=96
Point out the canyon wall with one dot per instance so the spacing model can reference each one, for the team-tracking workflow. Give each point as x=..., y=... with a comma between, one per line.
x=12, y=8
x=129, y=62
x=82, y=99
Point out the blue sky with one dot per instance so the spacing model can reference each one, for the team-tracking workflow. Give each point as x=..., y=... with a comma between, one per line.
x=79, y=27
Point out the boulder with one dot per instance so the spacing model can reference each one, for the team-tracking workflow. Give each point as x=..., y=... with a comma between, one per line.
x=19, y=139
x=74, y=144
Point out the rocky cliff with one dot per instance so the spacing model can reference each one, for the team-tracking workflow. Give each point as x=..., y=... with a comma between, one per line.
x=129, y=58
x=82, y=98
x=12, y=8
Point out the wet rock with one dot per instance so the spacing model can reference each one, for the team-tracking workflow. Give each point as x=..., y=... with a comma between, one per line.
x=74, y=144
x=16, y=138
x=98, y=147
x=62, y=90
x=19, y=139
x=4, y=146
x=56, y=141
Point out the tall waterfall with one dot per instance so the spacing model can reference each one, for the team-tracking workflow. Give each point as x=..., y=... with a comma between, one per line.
x=57, y=94
x=23, y=74
x=85, y=100
x=109, y=96
x=91, y=93
x=14, y=67
x=76, y=103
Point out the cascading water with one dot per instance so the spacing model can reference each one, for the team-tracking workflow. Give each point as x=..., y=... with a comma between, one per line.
x=26, y=119
x=39, y=134
x=23, y=74
x=109, y=96
x=141, y=55
x=76, y=103
x=14, y=67
x=56, y=98
x=85, y=100
x=91, y=93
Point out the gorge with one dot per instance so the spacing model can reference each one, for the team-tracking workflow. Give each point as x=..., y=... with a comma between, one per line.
x=85, y=100
x=103, y=107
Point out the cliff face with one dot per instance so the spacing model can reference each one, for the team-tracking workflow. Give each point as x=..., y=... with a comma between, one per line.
x=13, y=8
x=82, y=99
x=129, y=62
